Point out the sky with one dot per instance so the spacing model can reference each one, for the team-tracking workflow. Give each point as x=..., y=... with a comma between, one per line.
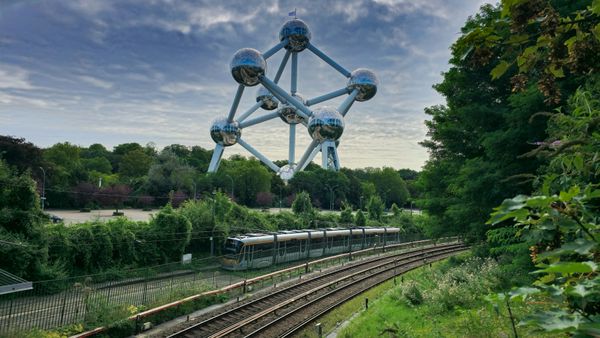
x=118, y=71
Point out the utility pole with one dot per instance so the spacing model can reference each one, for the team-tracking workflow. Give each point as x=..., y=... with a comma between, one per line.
x=43, y=198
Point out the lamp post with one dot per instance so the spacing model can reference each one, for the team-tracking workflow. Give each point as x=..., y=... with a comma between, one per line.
x=43, y=198
x=280, y=198
x=232, y=195
x=331, y=192
x=361, y=198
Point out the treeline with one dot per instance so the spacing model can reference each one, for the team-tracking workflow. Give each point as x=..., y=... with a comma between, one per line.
x=142, y=176
x=34, y=248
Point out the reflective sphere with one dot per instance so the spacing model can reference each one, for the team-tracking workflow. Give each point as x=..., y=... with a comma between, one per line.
x=326, y=124
x=224, y=133
x=287, y=172
x=365, y=81
x=247, y=65
x=297, y=33
x=269, y=102
x=288, y=114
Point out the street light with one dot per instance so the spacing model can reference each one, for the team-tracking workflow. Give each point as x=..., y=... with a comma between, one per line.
x=232, y=196
x=43, y=198
x=331, y=192
x=361, y=198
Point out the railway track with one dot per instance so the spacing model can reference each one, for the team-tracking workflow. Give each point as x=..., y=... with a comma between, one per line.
x=287, y=309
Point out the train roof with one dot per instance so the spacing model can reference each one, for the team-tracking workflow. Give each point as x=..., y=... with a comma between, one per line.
x=286, y=235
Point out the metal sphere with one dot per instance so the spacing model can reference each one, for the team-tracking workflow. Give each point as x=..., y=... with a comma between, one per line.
x=297, y=33
x=326, y=124
x=288, y=112
x=225, y=133
x=365, y=81
x=247, y=65
x=287, y=172
x=269, y=101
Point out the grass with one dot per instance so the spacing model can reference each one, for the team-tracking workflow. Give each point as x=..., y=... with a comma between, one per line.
x=446, y=300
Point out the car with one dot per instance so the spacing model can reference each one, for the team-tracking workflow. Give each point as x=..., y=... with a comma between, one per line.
x=54, y=218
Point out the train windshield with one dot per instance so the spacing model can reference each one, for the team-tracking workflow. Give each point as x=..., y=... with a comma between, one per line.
x=232, y=247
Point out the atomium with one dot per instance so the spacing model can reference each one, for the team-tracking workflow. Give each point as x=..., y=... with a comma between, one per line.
x=247, y=65
x=266, y=98
x=325, y=124
x=225, y=133
x=365, y=81
x=289, y=113
x=297, y=34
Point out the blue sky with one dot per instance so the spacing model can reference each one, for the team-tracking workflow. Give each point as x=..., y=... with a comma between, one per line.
x=157, y=71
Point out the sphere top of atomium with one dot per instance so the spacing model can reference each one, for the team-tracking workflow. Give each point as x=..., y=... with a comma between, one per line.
x=225, y=133
x=287, y=172
x=269, y=101
x=297, y=33
x=326, y=124
x=288, y=112
x=247, y=65
x=365, y=81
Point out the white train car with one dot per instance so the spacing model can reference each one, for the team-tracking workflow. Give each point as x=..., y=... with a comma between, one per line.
x=257, y=250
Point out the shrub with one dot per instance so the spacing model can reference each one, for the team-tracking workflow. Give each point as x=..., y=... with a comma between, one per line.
x=412, y=294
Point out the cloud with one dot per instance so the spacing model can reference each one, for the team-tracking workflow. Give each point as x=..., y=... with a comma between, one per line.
x=96, y=82
x=182, y=87
x=14, y=77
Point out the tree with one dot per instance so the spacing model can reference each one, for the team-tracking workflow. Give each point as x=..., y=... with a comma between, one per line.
x=135, y=163
x=346, y=214
x=20, y=154
x=168, y=173
x=302, y=204
x=175, y=232
x=360, y=220
x=114, y=196
x=375, y=208
x=249, y=177
x=264, y=199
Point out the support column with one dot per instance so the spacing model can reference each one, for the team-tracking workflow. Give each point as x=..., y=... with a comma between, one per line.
x=216, y=158
x=292, y=149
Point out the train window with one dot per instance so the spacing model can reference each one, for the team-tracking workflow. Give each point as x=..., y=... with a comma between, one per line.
x=281, y=248
x=316, y=243
x=232, y=246
x=293, y=246
x=263, y=250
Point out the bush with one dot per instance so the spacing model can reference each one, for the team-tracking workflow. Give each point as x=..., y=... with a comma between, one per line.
x=412, y=294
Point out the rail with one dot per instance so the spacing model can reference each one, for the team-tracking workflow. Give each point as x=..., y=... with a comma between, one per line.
x=243, y=285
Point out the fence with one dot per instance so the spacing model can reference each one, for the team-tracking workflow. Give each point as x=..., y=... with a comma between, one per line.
x=91, y=301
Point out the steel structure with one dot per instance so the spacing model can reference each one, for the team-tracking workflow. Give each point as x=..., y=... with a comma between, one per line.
x=324, y=124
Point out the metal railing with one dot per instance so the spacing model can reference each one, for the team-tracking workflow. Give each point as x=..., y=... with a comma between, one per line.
x=88, y=299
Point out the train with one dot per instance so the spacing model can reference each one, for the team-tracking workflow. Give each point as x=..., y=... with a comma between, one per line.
x=260, y=250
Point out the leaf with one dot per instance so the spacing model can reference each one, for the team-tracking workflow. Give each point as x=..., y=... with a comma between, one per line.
x=500, y=69
x=581, y=246
x=567, y=196
x=557, y=320
x=556, y=71
x=578, y=162
x=522, y=293
x=570, y=267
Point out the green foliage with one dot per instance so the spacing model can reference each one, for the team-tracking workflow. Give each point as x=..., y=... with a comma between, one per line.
x=174, y=230
x=346, y=214
x=302, y=204
x=375, y=208
x=360, y=220
x=249, y=177
x=562, y=222
x=412, y=294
